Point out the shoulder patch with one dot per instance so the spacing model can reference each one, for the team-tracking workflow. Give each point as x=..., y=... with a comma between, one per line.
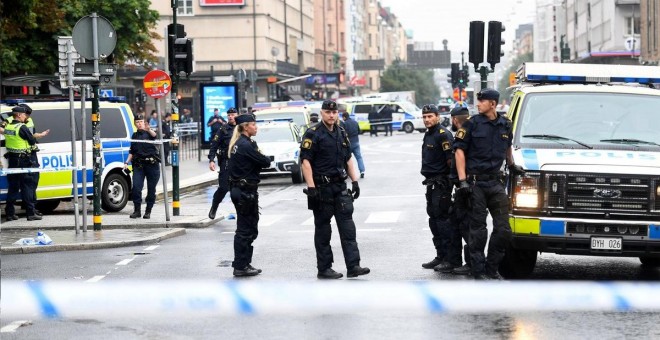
x=313, y=128
x=460, y=134
x=442, y=130
x=469, y=117
x=307, y=143
x=445, y=146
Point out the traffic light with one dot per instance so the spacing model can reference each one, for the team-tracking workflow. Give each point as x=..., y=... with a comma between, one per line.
x=173, y=32
x=465, y=75
x=455, y=75
x=476, y=53
x=495, y=42
x=183, y=55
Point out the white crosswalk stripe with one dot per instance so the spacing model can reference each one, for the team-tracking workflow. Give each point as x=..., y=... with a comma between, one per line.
x=383, y=217
x=268, y=220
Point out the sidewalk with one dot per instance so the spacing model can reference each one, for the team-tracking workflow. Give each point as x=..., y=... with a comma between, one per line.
x=118, y=230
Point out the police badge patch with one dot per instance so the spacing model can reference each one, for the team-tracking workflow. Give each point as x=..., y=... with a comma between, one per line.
x=460, y=134
x=307, y=143
x=445, y=146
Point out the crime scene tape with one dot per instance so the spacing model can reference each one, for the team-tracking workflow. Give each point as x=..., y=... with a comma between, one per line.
x=13, y=171
x=121, y=299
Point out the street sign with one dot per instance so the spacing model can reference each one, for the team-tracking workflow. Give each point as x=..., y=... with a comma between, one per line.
x=83, y=37
x=107, y=93
x=631, y=43
x=157, y=84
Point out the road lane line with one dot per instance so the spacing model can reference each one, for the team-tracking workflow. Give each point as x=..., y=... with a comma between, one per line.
x=124, y=262
x=228, y=232
x=12, y=327
x=310, y=221
x=149, y=248
x=96, y=278
x=383, y=217
x=267, y=220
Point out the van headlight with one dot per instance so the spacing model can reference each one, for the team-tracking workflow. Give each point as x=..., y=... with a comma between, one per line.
x=526, y=192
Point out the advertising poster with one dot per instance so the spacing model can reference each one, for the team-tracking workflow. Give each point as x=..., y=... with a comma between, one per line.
x=219, y=96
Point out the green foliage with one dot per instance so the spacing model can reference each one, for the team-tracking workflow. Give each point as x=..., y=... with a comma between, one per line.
x=399, y=78
x=504, y=81
x=29, y=31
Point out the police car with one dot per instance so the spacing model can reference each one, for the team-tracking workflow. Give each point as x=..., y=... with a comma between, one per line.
x=587, y=137
x=56, y=158
x=280, y=140
x=297, y=111
x=406, y=116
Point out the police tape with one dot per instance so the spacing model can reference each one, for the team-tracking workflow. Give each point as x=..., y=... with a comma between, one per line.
x=126, y=298
x=14, y=171
x=157, y=141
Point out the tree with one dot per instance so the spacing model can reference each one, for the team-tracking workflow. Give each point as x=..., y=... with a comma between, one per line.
x=29, y=31
x=504, y=81
x=399, y=78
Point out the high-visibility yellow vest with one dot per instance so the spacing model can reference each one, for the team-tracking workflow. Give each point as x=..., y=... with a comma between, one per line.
x=13, y=142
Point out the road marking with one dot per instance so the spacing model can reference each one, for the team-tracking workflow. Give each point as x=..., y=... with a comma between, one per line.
x=374, y=229
x=267, y=220
x=124, y=262
x=96, y=278
x=12, y=327
x=149, y=248
x=229, y=232
x=310, y=221
x=383, y=217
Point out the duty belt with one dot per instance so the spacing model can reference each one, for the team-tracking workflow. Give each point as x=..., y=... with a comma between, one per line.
x=435, y=179
x=329, y=179
x=243, y=184
x=486, y=177
x=151, y=160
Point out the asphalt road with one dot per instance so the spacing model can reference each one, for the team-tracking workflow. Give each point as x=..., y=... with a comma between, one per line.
x=393, y=238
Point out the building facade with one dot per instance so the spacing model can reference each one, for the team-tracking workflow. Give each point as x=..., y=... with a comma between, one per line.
x=650, y=31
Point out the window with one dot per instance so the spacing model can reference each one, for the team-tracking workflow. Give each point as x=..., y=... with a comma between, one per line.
x=342, y=44
x=57, y=120
x=185, y=7
x=369, y=39
x=341, y=9
x=632, y=26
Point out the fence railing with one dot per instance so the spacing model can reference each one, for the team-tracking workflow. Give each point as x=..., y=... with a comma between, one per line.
x=189, y=141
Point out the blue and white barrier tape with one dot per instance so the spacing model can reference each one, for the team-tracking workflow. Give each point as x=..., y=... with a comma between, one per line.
x=120, y=299
x=12, y=171
x=157, y=141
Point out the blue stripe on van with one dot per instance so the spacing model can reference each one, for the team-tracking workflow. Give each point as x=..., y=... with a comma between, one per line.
x=128, y=119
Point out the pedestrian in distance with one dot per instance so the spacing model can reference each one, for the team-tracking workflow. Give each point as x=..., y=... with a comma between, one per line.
x=459, y=223
x=436, y=160
x=219, y=149
x=353, y=130
x=386, y=118
x=145, y=160
x=215, y=122
x=167, y=134
x=19, y=143
x=481, y=145
x=326, y=164
x=245, y=164
x=374, y=120
x=153, y=121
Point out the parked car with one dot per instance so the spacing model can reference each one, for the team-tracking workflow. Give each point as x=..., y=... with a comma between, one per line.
x=280, y=140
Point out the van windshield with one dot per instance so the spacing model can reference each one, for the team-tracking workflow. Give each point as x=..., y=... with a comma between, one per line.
x=274, y=134
x=409, y=107
x=594, y=119
x=298, y=117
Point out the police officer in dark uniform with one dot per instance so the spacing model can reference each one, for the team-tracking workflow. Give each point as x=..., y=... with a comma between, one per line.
x=436, y=160
x=19, y=143
x=219, y=149
x=144, y=157
x=33, y=155
x=326, y=163
x=245, y=164
x=459, y=223
x=481, y=145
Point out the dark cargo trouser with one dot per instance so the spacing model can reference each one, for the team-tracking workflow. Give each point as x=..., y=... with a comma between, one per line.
x=223, y=182
x=489, y=196
x=246, y=202
x=438, y=200
x=459, y=230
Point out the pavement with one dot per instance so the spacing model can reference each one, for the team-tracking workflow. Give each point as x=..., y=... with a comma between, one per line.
x=118, y=230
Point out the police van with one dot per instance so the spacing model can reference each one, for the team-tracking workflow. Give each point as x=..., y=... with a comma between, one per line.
x=406, y=116
x=55, y=156
x=587, y=138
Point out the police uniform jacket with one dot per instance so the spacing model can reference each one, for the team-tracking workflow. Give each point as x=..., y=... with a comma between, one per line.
x=15, y=133
x=220, y=142
x=485, y=143
x=246, y=160
x=352, y=130
x=436, y=151
x=327, y=151
x=142, y=151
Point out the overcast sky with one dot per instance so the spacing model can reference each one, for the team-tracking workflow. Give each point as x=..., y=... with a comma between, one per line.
x=435, y=20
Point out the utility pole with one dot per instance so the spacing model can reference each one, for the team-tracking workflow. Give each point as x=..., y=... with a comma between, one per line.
x=175, y=122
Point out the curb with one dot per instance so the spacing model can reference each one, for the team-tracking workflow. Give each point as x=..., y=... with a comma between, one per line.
x=95, y=245
x=191, y=222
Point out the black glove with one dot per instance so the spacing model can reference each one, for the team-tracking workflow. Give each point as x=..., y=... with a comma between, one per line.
x=464, y=188
x=311, y=192
x=355, y=188
x=516, y=169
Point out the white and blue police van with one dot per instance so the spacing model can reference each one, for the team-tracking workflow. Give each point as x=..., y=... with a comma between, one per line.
x=406, y=116
x=587, y=137
x=56, y=158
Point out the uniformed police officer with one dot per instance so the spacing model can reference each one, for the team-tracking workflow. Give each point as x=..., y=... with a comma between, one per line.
x=144, y=157
x=436, y=160
x=19, y=142
x=326, y=163
x=245, y=164
x=219, y=148
x=35, y=159
x=459, y=223
x=481, y=145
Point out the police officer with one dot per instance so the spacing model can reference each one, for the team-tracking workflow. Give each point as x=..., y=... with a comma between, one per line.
x=19, y=142
x=458, y=213
x=436, y=160
x=219, y=149
x=326, y=163
x=144, y=157
x=35, y=159
x=481, y=145
x=245, y=164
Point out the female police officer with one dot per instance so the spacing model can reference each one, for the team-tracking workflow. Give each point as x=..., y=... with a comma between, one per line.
x=245, y=163
x=326, y=159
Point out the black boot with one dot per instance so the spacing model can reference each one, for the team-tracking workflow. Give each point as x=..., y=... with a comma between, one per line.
x=147, y=212
x=431, y=264
x=357, y=270
x=214, y=208
x=136, y=211
x=329, y=274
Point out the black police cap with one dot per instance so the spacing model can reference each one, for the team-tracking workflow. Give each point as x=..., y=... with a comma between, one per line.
x=430, y=108
x=28, y=109
x=488, y=94
x=232, y=110
x=329, y=105
x=138, y=117
x=459, y=111
x=244, y=118
x=18, y=109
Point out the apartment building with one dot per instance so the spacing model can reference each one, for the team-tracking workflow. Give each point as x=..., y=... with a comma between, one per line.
x=650, y=31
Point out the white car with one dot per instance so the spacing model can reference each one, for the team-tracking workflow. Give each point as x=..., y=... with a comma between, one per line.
x=280, y=140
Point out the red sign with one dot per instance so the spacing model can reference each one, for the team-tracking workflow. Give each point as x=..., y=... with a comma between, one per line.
x=222, y=2
x=157, y=84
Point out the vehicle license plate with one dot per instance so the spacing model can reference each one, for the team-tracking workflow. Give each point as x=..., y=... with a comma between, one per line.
x=605, y=243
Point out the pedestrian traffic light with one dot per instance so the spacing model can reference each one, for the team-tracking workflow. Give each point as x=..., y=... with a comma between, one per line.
x=183, y=55
x=455, y=75
x=476, y=53
x=495, y=42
